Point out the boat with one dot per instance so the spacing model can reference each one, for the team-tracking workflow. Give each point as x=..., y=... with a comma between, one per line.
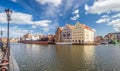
x=104, y=42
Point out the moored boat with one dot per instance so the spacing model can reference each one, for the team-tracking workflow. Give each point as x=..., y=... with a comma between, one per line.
x=104, y=43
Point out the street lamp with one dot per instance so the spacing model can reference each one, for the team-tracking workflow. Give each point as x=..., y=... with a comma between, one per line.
x=1, y=34
x=8, y=13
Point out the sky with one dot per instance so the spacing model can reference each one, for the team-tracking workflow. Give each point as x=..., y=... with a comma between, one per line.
x=45, y=16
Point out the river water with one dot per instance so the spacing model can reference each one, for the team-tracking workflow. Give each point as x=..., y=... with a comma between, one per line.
x=31, y=57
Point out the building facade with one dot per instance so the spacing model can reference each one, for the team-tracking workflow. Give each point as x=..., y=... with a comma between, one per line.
x=82, y=34
x=99, y=39
x=35, y=38
x=58, y=34
x=67, y=33
x=112, y=37
x=27, y=36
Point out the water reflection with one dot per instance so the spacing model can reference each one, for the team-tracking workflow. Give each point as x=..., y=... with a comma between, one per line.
x=66, y=57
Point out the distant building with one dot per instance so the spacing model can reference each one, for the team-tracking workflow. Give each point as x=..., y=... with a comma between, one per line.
x=14, y=40
x=112, y=37
x=51, y=38
x=35, y=37
x=27, y=36
x=58, y=34
x=99, y=39
x=67, y=33
x=82, y=34
x=4, y=40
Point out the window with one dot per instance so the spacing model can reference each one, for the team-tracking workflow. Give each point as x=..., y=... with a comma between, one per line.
x=76, y=41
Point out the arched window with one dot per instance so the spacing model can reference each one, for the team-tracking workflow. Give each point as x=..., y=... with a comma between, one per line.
x=73, y=40
x=76, y=41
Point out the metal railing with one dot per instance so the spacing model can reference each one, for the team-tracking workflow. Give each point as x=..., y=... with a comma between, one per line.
x=8, y=62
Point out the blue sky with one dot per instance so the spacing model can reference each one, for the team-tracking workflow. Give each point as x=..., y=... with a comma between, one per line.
x=44, y=16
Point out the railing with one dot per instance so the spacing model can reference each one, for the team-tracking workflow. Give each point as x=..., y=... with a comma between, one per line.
x=4, y=64
x=8, y=62
x=13, y=64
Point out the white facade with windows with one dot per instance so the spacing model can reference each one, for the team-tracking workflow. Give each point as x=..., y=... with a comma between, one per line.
x=82, y=34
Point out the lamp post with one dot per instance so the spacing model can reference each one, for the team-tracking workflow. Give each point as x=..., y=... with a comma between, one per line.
x=1, y=34
x=8, y=14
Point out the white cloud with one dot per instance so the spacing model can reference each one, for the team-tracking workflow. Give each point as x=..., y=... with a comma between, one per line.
x=14, y=31
x=103, y=6
x=33, y=27
x=103, y=20
x=76, y=16
x=108, y=8
x=76, y=11
x=113, y=21
x=3, y=29
x=86, y=7
x=55, y=2
x=14, y=0
x=49, y=29
x=115, y=24
x=22, y=18
x=42, y=23
x=116, y=16
x=69, y=4
x=105, y=16
x=51, y=11
x=43, y=26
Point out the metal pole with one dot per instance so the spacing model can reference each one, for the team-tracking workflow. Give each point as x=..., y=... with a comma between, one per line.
x=8, y=13
x=1, y=34
x=8, y=33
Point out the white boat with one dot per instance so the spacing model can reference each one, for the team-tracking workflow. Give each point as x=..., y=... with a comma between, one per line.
x=104, y=43
x=62, y=43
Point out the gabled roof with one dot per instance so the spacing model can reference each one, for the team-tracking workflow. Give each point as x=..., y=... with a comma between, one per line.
x=70, y=26
x=61, y=28
x=84, y=26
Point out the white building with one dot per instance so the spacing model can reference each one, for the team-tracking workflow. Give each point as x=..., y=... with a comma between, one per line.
x=82, y=34
x=35, y=37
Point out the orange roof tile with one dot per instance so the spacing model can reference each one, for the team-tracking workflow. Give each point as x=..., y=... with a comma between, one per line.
x=70, y=26
x=86, y=27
